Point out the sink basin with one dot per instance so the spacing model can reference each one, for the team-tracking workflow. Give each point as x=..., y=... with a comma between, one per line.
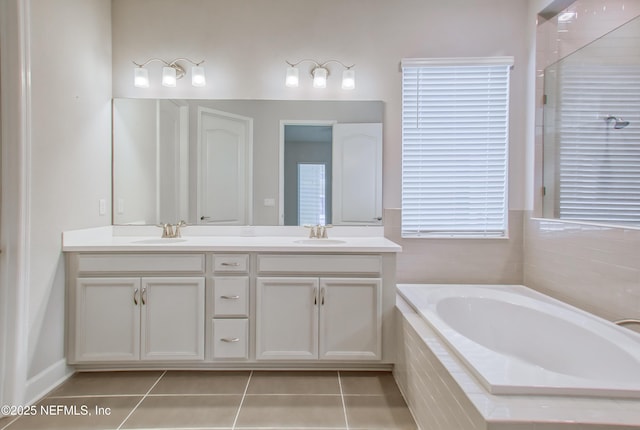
x=320, y=242
x=160, y=241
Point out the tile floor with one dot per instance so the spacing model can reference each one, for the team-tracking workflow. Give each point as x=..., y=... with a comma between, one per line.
x=220, y=400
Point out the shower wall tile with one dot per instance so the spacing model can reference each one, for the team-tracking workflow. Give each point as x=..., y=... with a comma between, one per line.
x=596, y=268
x=593, y=19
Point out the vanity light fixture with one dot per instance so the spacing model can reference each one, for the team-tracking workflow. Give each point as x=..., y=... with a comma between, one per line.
x=320, y=72
x=171, y=72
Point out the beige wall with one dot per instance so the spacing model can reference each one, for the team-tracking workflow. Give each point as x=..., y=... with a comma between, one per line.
x=245, y=45
x=593, y=267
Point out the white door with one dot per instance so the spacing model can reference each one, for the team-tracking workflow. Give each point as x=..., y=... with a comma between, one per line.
x=107, y=319
x=350, y=319
x=224, y=168
x=287, y=319
x=357, y=174
x=172, y=318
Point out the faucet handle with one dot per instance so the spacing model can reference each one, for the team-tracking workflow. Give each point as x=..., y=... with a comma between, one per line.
x=176, y=228
x=167, y=230
x=325, y=235
x=312, y=231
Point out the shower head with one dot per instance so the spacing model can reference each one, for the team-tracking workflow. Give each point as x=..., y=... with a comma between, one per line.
x=619, y=123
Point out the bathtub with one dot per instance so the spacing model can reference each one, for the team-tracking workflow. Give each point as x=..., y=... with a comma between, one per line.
x=516, y=341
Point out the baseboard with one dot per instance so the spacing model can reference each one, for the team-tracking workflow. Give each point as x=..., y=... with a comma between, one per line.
x=45, y=381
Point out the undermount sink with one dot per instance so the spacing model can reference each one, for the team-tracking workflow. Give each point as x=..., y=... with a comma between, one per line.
x=320, y=241
x=160, y=241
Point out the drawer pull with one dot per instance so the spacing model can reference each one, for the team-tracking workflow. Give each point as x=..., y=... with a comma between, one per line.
x=230, y=297
x=230, y=339
x=135, y=297
x=235, y=264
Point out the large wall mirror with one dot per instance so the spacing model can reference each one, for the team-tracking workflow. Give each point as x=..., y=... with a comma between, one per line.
x=592, y=131
x=247, y=162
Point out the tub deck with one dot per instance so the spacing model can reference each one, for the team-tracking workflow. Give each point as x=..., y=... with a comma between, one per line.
x=423, y=353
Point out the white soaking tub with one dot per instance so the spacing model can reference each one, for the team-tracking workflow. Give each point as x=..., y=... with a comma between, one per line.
x=518, y=341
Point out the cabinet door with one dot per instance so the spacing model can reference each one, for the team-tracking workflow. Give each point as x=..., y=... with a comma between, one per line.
x=172, y=319
x=350, y=319
x=287, y=319
x=107, y=326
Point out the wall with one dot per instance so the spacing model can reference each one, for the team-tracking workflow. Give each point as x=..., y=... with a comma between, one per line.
x=70, y=161
x=245, y=45
x=593, y=267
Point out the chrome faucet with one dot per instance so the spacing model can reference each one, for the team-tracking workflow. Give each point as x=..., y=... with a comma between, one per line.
x=171, y=231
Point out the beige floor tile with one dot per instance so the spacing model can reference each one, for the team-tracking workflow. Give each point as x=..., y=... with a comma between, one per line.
x=374, y=383
x=80, y=413
x=378, y=412
x=107, y=383
x=289, y=411
x=300, y=382
x=4, y=421
x=161, y=412
x=202, y=382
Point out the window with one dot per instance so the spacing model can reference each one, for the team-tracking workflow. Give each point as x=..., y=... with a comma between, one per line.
x=455, y=116
x=311, y=194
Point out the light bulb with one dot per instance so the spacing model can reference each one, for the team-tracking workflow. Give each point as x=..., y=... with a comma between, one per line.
x=198, y=78
x=320, y=77
x=169, y=78
x=292, y=79
x=348, y=79
x=141, y=77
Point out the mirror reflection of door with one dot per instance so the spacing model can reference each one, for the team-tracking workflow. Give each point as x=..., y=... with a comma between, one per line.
x=224, y=168
x=307, y=174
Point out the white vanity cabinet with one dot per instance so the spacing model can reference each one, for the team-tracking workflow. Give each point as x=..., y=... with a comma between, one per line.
x=149, y=318
x=319, y=317
x=225, y=303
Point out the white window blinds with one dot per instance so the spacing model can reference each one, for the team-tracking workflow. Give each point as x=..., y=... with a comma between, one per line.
x=599, y=164
x=455, y=115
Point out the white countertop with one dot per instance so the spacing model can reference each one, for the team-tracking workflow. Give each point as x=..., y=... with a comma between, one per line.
x=236, y=239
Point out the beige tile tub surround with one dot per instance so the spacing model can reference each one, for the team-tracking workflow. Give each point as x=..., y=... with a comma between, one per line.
x=226, y=400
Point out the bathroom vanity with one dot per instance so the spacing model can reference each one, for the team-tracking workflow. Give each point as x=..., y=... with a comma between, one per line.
x=216, y=300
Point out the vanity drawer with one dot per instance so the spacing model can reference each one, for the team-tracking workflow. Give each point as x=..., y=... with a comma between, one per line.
x=231, y=296
x=319, y=264
x=231, y=263
x=141, y=263
x=230, y=338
